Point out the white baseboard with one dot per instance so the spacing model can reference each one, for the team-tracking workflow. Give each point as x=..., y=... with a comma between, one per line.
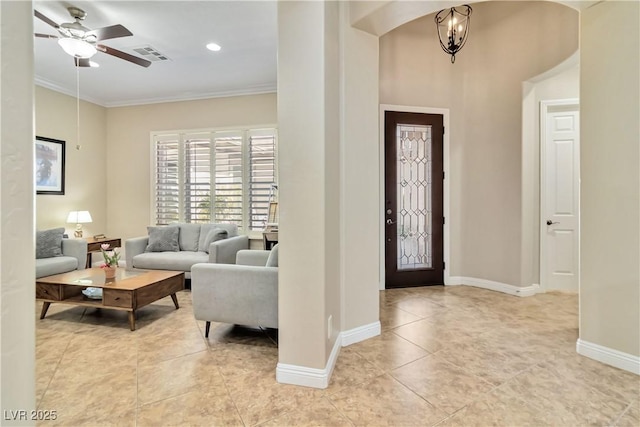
x=319, y=378
x=609, y=356
x=360, y=333
x=309, y=377
x=520, y=291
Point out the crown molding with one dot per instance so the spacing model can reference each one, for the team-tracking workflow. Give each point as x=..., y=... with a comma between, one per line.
x=254, y=90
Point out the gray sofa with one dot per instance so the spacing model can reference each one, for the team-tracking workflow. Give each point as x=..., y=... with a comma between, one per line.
x=56, y=254
x=245, y=293
x=192, y=247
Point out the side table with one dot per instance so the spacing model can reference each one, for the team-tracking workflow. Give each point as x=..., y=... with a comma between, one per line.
x=269, y=239
x=93, y=245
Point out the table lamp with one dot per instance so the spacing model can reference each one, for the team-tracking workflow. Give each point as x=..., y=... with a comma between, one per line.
x=79, y=218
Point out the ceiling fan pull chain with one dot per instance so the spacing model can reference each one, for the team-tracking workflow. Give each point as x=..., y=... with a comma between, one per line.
x=78, y=107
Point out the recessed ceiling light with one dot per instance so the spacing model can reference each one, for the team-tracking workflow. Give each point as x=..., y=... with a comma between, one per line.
x=93, y=64
x=214, y=47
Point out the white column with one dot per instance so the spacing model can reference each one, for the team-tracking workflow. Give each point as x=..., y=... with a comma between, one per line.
x=17, y=261
x=361, y=174
x=610, y=184
x=329, y=177
x=308, y=128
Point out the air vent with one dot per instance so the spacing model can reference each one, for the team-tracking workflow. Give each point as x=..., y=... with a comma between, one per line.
x=149, y=53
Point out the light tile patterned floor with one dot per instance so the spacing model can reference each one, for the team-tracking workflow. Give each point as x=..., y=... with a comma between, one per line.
x=454, y=356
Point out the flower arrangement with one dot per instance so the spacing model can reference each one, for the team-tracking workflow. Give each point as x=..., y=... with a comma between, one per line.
x=110, y=257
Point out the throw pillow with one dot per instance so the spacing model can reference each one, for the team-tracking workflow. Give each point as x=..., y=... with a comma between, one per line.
x=213, y=236
x=188, y=236
x=49, y=243
x=272, y=261
x=163, y=239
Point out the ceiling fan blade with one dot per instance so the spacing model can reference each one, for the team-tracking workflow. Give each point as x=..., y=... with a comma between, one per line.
x=82, y=62
x=123, y=55
x=45, y=19
x=112, y=32
x=45, y=36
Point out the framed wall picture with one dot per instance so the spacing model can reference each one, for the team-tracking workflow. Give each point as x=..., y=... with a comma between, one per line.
x=49, y=166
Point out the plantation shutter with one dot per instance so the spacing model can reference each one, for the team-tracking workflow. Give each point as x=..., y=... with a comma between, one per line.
x=167, y=182
x=213, y=176
x=197, y=178
x=227, y=204
x=262, y=175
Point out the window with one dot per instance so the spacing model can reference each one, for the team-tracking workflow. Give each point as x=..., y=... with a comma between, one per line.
x=214, y=176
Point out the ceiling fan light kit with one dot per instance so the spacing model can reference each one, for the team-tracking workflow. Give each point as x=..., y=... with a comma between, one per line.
x=77, y=48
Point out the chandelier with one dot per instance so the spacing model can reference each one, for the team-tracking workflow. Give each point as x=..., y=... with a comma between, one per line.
x=453, y=28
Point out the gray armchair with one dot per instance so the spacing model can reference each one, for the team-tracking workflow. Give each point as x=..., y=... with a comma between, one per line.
x=244, y=293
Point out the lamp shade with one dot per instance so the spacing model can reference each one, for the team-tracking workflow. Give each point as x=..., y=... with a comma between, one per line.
x=77, y=48
x=79, y=217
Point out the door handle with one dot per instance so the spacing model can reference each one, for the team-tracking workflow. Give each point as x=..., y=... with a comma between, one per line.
x=549, y=222
x=389, y=222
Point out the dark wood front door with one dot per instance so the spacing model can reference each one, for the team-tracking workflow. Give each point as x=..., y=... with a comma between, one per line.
x=414, y=254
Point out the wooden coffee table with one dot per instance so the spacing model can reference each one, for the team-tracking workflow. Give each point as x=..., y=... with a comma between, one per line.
x=129, y=291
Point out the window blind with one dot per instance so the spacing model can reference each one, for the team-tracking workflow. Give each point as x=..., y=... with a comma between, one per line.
x=228, y=179
x=197, y=178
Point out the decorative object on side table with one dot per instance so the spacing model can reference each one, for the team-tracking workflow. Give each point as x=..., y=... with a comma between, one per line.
x=111, y=259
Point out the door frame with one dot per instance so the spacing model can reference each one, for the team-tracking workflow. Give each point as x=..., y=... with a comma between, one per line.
x=444, y=112
x=546, y=107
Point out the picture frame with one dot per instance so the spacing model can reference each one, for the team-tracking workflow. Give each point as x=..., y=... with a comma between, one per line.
x=272, y=218
x=49, y=165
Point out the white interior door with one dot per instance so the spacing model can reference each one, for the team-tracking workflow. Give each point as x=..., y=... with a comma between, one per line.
x=560, y=195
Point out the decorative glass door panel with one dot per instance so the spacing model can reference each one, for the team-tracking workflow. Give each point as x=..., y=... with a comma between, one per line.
x=414, y=213
x=413, y=207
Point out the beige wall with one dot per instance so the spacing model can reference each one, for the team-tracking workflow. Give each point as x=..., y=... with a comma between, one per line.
x=85, y=169
x=112, y=167
x=483, y=90
x=610, y=187
x=17, y=264
x=128, y=134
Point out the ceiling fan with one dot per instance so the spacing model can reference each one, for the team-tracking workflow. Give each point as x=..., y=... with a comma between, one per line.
x=82, y=42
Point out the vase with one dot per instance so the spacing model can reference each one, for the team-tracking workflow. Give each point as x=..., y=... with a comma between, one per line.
x=109, y=272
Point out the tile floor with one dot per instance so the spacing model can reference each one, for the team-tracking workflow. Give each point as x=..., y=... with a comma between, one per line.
x=447, y=356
